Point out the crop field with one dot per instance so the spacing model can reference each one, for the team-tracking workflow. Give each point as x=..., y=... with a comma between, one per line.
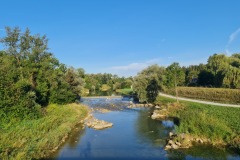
x=221, y=95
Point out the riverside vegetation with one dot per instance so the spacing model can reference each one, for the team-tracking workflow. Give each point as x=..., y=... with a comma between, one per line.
x=40, y=137
x=35, y=95
x=38, y=95
x=37, y=91
x=211, y=124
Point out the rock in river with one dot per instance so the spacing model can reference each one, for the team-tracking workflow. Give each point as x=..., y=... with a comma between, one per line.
x=97, y=124
x=159, y=114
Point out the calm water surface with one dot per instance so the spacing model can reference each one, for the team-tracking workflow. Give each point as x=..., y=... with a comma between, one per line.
x=134, y=135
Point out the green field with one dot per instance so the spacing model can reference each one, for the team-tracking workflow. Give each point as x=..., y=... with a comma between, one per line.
x=219, y=124
x=125, y=91
x=37, y=138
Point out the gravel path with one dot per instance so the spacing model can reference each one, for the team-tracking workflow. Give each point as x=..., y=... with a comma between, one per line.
x=200, y=101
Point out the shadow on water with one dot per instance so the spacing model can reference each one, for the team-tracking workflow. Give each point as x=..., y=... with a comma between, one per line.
x=134, y=135
x=156, y=132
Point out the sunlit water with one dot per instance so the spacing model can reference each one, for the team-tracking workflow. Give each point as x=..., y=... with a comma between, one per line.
x=134, y=135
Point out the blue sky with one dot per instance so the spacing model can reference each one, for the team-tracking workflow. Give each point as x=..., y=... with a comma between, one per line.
x=125, y=36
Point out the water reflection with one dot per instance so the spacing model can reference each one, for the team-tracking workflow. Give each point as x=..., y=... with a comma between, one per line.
x=168, y=123
x=75, y=136
x=134, y=135
x=151, y=130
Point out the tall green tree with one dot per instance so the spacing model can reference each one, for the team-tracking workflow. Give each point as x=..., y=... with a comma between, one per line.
x=31, y=77
x=232, y=78
x=149, y=82
x=218, y=64
x=175, y=76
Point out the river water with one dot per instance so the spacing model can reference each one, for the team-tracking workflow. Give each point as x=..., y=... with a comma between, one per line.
x=134, y=135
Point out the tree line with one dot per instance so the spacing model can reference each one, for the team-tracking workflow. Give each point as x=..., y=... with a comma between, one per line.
x=105, y=82
x=221, y=71
x=31, y=77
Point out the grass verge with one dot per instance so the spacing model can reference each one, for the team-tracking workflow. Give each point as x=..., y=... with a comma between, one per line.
x=219, y=124
x=38, y=138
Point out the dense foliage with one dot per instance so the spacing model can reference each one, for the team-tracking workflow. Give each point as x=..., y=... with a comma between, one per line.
x=221, y=71
x=148, y=83
x=105, y=82
x=31, y=77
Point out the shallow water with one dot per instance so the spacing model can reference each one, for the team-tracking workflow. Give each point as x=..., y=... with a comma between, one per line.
x=134, y=135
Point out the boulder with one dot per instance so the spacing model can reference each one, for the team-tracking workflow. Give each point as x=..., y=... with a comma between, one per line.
x=158, y=115
x=199, y=140
x=178, y=143
x=102, y=125
x=150, y=105
x=94, y=123
x=170, y=142
x=167, y=147
x=174, y=146
x=170, y=134
x=157, y=107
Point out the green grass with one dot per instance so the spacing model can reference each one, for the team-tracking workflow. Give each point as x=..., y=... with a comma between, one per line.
x=125, y=91
x=219, y=124
x=37, y=138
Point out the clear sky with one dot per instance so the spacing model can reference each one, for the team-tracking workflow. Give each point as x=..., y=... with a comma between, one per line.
x=125, y=36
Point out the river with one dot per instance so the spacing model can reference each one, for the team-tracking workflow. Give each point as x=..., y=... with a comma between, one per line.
x=134, y=135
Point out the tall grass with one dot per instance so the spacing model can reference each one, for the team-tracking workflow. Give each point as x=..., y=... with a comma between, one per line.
x=222, y=95
x=37, y=138
x=219, y=124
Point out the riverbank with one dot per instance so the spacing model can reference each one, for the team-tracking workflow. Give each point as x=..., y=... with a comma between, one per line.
x=34, y=139
x=219, y=126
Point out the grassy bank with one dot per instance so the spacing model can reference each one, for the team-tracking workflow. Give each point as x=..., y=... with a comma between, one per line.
x=38, y=138
x=219, y=124
x=222, y=95
x=125, y=91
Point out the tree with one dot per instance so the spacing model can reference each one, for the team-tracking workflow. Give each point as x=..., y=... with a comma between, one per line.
x=152, y=89
x=139, y=86
x=148, y=83
x=31, y=77
x=175, y=77
x=206, y=78
x=81, y=72
x=235, y=60
x=218, y=64
x=232, y=78
x=105, y=87
x=75, y=81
